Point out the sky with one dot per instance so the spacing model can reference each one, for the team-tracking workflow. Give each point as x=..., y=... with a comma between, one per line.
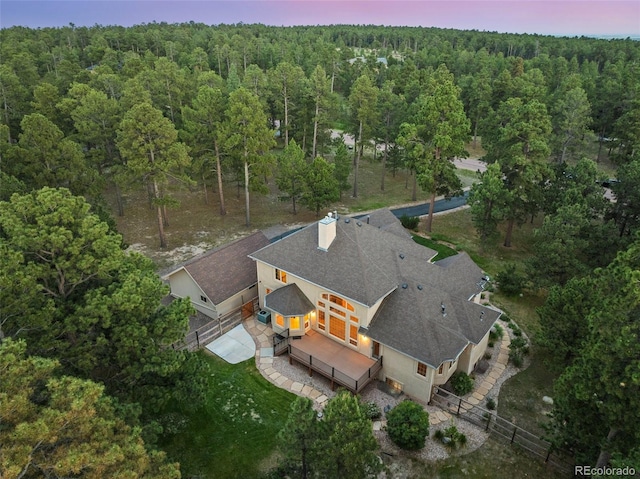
x=619, y=18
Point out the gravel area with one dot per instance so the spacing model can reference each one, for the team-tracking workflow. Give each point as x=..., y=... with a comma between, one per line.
x=378, y=393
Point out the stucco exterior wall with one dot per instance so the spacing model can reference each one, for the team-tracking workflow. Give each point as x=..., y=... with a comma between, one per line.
x=237, y=300
x=475, y=354
x=182, y=286
x=267, y=280
x=403, y=369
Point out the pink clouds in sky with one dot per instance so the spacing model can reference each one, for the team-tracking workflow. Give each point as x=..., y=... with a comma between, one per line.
x=568, y=17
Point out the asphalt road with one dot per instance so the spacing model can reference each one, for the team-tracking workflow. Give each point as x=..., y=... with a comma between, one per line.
x=439, y=206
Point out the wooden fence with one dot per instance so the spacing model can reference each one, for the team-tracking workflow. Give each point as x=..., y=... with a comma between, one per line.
x=504, y=430
x=211, y=331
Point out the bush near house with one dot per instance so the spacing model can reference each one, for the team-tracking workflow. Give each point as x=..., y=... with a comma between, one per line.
x=408, y=425
x=410, y=222
x=461, y=383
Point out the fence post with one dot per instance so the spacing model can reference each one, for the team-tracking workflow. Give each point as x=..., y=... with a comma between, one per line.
x=548, y=454
x=513, y=437
x=459, y=404
x=488, y=421
x=197, y=340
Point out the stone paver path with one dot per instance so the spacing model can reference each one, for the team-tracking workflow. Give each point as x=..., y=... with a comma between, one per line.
x=262, y=334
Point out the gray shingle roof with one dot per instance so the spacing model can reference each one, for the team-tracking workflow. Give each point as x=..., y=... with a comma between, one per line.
x=385, y=220
x=367, y=262
x=359, y=264
x=225, y=271
x=411, y=320
x=288, y=300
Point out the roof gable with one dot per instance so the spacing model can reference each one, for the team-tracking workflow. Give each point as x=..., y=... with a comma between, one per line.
x=225, y=271
x=360, y=263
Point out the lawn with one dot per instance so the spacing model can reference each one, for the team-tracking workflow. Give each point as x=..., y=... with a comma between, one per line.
x=443, y=250
x=494, y=460
x=233, y=435
x=520, y=399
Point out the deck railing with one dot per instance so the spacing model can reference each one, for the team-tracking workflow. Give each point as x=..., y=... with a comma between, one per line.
x=281, y=343
x=336, y=376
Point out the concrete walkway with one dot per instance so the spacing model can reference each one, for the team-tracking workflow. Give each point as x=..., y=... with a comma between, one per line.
x=262, y=335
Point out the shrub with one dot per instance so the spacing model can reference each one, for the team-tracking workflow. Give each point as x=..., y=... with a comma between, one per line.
x=487, y=356
x=371, y=410
x=451, y=437
x=498, y=329
x=511, y=281
x=518, y=343
x=491, y=404
x=490, y=344
x=461, y=383
x=408, y=425
x=515, y=356
x=410, y=222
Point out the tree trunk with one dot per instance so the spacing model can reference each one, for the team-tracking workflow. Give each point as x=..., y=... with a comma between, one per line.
x=119, y=202
x=293, y=200
x=605, y=456
x=204, y=190
x=150, y=194
x=223, y=210
x=432, y=204
x=357, y=163
x=246, y=189
x=475, y=131
x=507, y=238
x=315, y=130
x=165, y=216
x=384, y=157
x=163, y=240
x=286, y=118
x=414, y=192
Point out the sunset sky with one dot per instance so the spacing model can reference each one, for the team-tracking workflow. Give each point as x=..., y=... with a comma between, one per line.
x=563, y=17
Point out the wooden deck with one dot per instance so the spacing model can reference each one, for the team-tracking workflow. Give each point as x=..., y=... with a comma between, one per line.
x=340, y=364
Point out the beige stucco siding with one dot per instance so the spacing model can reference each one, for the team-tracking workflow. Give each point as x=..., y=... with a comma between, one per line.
x=267, y=280
x=448, y=368
x=237, y=300
x=183, y=286
x=473, y=353
x=403, y=369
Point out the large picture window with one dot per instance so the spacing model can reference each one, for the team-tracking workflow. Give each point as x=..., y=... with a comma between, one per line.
x=343, y=325
x=337, y=327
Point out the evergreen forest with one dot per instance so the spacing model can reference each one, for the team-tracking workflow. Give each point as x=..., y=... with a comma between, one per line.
x=89, y=112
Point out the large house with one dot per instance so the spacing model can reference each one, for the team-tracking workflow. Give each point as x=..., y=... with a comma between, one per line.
x=220, y=280
x=374, y=296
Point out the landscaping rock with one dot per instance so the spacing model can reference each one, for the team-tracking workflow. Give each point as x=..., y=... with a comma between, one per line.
x=547, y=400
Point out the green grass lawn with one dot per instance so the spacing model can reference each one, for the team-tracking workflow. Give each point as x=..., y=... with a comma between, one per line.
x=521, y=396
x=233, y=435
x=443, y=250
x=494, y=460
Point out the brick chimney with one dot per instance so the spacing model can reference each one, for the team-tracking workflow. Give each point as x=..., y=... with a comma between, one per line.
x=326, y=231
